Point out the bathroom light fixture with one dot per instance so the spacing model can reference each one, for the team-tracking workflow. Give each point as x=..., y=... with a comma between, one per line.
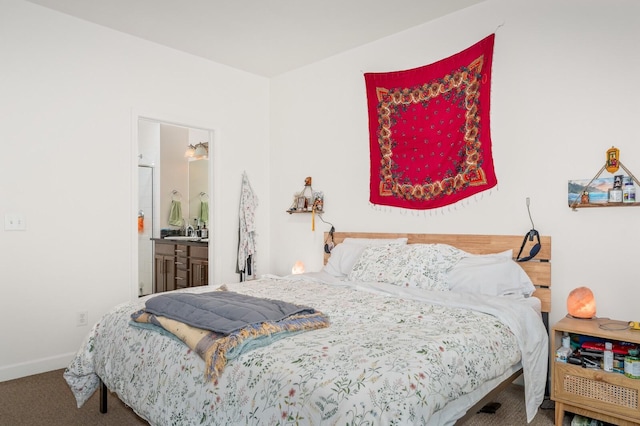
x=197, y=152
x=191, y=150
x=202, y=150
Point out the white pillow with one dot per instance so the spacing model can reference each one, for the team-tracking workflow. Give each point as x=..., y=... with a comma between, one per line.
x=341, y=257
x=493, y=274
x=346, y=254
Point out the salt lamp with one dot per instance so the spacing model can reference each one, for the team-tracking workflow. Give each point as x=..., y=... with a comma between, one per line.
x=581, y=303
x=298, y=268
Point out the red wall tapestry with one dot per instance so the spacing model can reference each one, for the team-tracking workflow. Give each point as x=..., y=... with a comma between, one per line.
x=430, y=142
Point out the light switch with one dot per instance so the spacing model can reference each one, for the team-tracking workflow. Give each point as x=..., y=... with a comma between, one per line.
x=15, y=222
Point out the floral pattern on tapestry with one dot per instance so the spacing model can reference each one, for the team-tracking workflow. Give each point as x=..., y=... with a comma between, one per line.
x=430, y=143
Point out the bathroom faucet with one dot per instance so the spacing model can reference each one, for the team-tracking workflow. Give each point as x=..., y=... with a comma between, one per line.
x=189, y=231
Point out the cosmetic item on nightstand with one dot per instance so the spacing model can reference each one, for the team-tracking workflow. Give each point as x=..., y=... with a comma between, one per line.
x=632, y=364
x=607, y=359
x=564, y=351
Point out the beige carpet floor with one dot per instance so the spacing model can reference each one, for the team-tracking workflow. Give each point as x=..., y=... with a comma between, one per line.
x=45, y=399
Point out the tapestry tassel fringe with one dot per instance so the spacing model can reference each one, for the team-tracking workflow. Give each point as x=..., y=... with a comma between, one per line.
x=437, y=211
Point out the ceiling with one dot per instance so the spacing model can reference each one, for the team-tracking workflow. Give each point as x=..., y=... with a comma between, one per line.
x=263, y=37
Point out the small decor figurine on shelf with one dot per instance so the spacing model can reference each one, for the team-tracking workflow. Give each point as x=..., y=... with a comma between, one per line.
x=584, y=199
x=318, y=201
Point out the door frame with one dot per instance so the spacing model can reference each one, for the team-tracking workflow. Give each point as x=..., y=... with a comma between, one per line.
x=194, y=120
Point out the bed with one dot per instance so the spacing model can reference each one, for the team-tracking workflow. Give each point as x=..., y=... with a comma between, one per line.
x=397, y=350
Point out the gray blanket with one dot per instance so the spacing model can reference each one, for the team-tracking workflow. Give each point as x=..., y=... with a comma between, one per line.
x=221, y=311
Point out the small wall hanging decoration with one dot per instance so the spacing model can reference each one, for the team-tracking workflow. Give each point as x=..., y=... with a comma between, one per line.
x=613, y=160
x=429, y=133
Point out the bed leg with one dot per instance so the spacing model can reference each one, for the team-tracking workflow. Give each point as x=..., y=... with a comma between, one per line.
x=547, y=387
x=103, y=397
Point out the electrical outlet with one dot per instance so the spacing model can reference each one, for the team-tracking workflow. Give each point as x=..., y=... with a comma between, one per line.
x=82, y=318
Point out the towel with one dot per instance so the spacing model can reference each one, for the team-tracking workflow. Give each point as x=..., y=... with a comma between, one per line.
x=204, y=211
x=175, y=215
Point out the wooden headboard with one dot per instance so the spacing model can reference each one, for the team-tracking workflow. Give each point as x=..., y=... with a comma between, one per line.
x=538, y=269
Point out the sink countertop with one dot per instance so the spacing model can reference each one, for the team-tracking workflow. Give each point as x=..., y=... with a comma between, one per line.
x=181, y=239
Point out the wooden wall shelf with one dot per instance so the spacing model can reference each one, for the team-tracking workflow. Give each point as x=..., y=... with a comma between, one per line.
x=589, y=205
x=611, y=165
x=307, y=201
x=309, y=211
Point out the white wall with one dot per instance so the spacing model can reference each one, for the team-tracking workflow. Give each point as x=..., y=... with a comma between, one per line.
x=563, y=93
x=68, y=93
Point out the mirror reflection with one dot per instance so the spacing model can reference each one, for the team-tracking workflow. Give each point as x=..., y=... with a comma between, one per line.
x=199, y=192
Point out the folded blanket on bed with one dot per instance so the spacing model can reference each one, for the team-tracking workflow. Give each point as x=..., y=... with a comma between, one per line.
x=221, y=311
x=220, y=340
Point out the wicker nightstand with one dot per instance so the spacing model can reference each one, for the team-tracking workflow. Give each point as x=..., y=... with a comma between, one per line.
x=610, y=397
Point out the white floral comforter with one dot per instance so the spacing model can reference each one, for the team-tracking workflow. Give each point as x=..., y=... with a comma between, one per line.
x=385, y=359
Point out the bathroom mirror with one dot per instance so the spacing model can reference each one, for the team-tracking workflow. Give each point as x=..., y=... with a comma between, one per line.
x=181, y=178
x=198, y=190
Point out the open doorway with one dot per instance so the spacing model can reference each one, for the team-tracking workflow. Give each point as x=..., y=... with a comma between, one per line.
x=162, y=171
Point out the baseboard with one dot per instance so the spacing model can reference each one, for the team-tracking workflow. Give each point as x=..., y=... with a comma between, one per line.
x=42, y=365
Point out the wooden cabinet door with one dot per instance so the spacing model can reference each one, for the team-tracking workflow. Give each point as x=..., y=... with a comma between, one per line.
x=198, y=272
x=165, y=276
x=180, y=266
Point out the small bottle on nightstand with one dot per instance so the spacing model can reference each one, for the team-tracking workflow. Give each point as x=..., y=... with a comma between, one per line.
x=607, y=359
x=564, y=351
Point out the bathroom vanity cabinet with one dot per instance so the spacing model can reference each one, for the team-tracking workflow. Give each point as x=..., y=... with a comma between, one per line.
x=180, y=264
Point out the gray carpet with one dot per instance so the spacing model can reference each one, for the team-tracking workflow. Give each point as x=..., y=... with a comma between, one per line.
x=45, y=399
